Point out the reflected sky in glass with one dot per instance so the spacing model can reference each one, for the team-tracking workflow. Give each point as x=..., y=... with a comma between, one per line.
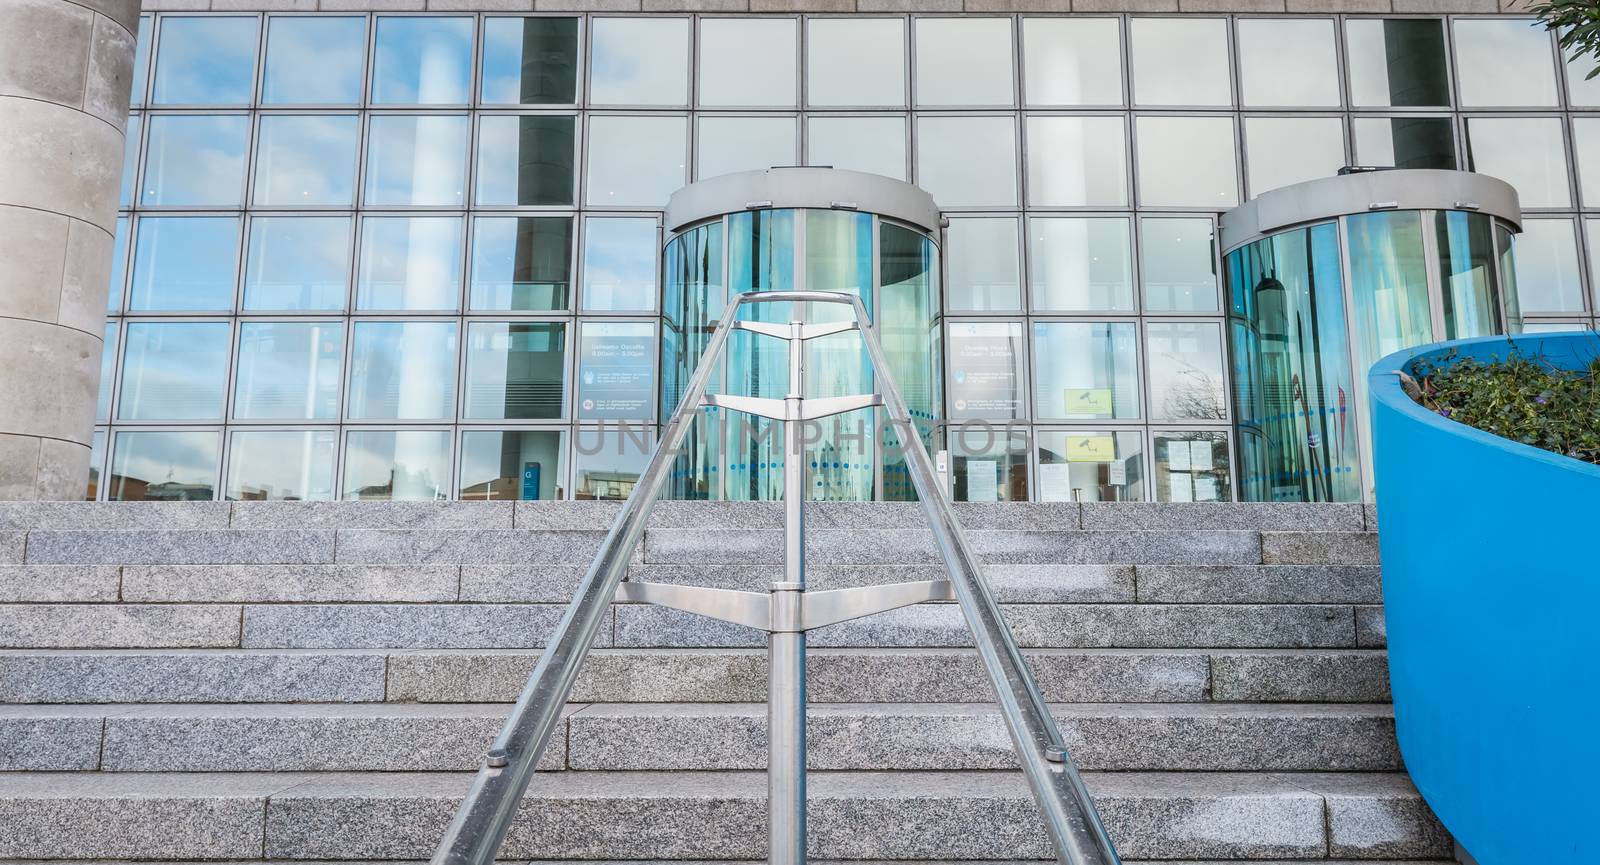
x=108, y=371
x=297, y=263
x=1185, y=371
x=1281, y=151
x=526, y=160
x=1080, y=264
x=1086, y=370
x=876, y=145
x=521, y=263
x=205, y=60
x=619, y=264
x=1526, y=152
x=403, y=370
x=729, y=144
x=306, y=160
x=621, y=173
x=416, y=160
x=1288, y=62
x=409, y=263
x=1396, y=61
x=405, y=465
x=195, y=160
x=984, y=270
x=174, y=371
x=119, y=264
x=530, y=61
x=1504, y=62
x=422, y=61
x=185, y=263
x=141, y=59
x=164, y=466
x=1072, y=61
x=748, y=61
x=983, y=77
x=282, y=465
x=314, y=60
x=856, y=62
x=1178, y=61
x=1186, y=162
x=288, y=370
x=1177, y=265
x=968, y=161
x=1547, y=267
x=639, y=61
x=1586, y=152
x=1077, y=162
x=130, y=159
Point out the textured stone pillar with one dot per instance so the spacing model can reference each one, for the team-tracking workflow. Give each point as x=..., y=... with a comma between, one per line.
x=64, y=76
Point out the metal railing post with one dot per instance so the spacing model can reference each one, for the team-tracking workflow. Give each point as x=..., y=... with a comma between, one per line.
x=786, y=643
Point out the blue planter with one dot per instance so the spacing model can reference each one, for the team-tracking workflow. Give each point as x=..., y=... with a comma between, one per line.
x=1491, y=587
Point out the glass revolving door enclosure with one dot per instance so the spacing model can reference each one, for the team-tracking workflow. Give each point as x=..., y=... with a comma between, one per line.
x=816, y=229
x=1326, y=277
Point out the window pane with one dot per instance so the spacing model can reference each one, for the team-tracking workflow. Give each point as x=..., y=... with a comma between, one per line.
x=1526, y=152
x=297, y=263
x=609, y=461
x=205, y=61
x=526, y=160
x=616, y=370
x=282, y=465
x=289, y=370
x=141, y=59
x=1077, y=162
x=119, y=264
x=164, y=467
x=405, y=465
x=730, y=144
x=1405, y=142
x=989, y=464
x=1186, y=371
x=1192, y=467
x=985, y=370
x=1091, y=466
x=415, y=160
x=619, y=264
x=876, y=145
x=1176, y=262
x=97, y=461
x=983, y=265
x=1504, y=62
x=639, y=61
x=625, y=174
x=968, y=161
x=1582, y=91
x=1281, y=151
x=521, y=263
x=403, y=370
x=1080, y=264
x=314, y=61
x=1586, y=151
x=108, y=371
x=130, y=159
x=1180, y=61
x=1591, y=230
x=856, y=62
x=1396, y=61
x=1288, y=63
x=1547, y=267
x=748, y=61
x=185, y=263
x=530, y=61
x=1071, y=61
x=304, y=161
x=513, y=464
x=409, y=263
x=982, y=77
x=1388, y=284
x=195, y=160
x=174, y=371
x=516, y=370
x=422, y=61
x=1187, y=162
x=1086, y=370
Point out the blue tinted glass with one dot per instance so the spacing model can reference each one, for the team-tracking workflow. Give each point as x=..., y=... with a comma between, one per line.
x=314, y=61
x=297, y=262
x=619, y=264
x=530, y=61
x=306, y=160
x=288, y=370
x=119, y=265
x=164, y=466
x=522, y=263
x=422, y=61
x=174, y=371
x=616, y=370
x=141, y=60
x=130, y=159
x=205, y=61
x=108, y=370
x=416, y=160
x=195, y=160
x=403, y=370
x=410, y=263
x=185, y=263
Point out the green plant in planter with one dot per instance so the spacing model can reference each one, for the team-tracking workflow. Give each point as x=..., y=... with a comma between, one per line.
x=1524, y=399
x=1578, y=23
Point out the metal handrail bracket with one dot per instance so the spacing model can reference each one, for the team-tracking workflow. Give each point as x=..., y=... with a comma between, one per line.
x=786, y=611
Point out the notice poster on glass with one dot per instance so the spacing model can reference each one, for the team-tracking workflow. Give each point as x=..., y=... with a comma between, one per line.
x=1178, y=454
x=1182, y=490
x=616, y=370
x=1055, y=482
x=1199, y=454
x=1205, y=488
x=1083, y=448
x=984, y=382
x=1117, y=474
x=983, y=481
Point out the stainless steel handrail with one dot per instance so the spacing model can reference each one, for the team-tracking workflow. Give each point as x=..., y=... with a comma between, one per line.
x=481, y=823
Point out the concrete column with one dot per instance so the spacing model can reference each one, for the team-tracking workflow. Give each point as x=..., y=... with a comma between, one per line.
x=64, y=83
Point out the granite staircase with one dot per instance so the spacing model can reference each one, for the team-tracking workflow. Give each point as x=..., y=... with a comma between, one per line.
x=316, y=681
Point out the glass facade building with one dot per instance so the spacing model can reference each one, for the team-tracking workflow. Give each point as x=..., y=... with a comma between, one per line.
x=424, y=255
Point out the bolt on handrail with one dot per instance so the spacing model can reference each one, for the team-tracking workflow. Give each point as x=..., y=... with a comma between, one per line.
x=480, y=825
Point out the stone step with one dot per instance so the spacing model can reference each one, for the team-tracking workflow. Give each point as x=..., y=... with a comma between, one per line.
x=707, y=815
x=812, y=861
x=390, y=737
x=683, y=675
